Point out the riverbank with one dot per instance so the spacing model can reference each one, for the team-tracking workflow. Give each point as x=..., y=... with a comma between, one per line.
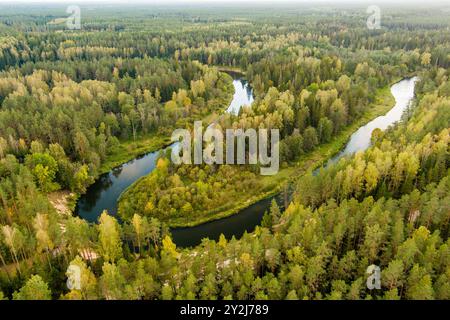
x=272, y=185
x=129, y=150
x=309, y=162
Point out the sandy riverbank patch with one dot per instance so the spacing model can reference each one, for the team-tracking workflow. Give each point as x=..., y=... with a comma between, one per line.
x=60, y=201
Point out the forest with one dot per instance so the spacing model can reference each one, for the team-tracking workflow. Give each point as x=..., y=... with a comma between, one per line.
x=74, y=104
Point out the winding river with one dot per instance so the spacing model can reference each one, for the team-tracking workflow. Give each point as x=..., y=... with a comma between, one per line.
x=103, y=194
x=403, y=92
x=105, y=191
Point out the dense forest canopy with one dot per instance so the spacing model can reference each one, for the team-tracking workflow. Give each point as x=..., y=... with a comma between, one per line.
x=73, y=102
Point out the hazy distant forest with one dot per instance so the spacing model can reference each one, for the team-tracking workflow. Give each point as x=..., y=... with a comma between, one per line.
x=76, y=103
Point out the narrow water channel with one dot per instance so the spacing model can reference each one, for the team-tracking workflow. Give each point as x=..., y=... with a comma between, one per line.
x=105, y=191
x=248, y=218
x=103, y=194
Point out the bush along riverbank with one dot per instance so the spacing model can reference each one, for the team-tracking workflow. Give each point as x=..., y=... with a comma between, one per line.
x=187, y=196
x=127, y=150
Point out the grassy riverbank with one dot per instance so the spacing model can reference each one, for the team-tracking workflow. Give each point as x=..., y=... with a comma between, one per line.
x=271, y=185
x=130, y=149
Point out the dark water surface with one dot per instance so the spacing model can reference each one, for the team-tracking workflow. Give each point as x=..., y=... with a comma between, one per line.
x=248, y=218
x=103, y=194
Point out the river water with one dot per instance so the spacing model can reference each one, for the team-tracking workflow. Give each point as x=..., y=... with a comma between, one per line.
x=103, y=194
x=403, y=92
x=247, y=219
x=105, y=191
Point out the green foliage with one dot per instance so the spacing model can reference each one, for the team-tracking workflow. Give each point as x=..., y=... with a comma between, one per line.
x=73, y=104
x=44, y=167
x=34, y=289
x=109, y=238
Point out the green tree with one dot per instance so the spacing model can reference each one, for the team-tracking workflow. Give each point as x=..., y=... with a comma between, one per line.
x=81, y=179
x=34, y=289
x=310, y=139
x=112, y=282
x=325, y=129
x=109, y=238
x=275, y=212
x=44, y=168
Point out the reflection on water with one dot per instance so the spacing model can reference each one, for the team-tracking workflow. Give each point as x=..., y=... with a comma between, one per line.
x=104, y=193
x=403, y=93
x=248, y=218
x=235, y=225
